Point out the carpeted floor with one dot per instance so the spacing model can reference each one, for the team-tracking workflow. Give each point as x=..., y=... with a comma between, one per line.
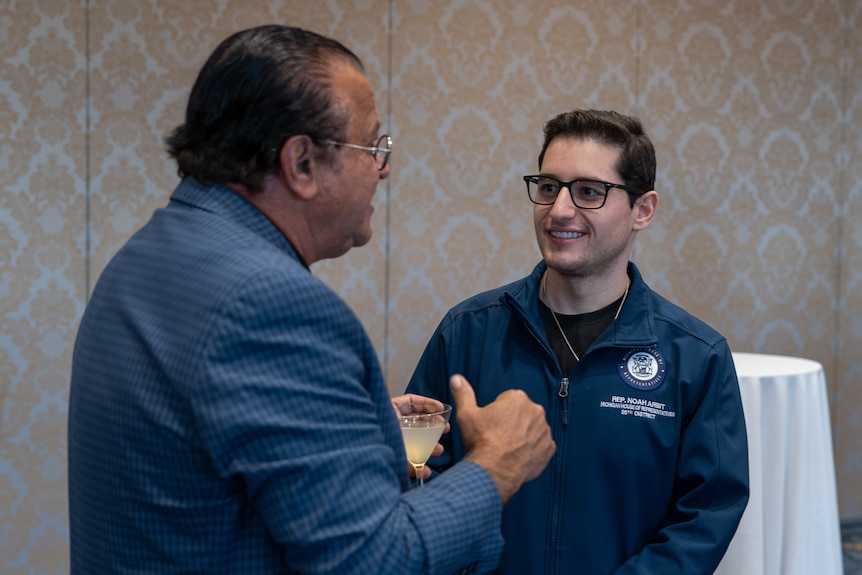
x=851, y=538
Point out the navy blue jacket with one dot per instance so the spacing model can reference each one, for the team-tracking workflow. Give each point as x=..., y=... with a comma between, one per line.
x=651, y=469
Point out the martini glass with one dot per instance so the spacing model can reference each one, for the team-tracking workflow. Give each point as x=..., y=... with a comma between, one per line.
x=421, y=428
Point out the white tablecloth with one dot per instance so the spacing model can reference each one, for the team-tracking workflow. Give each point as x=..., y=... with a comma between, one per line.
x=791, y=525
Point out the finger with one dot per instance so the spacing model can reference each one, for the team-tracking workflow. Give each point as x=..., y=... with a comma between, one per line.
x=412, y=403
x=462, y=391
x=425, y=472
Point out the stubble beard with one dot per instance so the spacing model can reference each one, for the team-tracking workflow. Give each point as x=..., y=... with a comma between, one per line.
x=583, y=266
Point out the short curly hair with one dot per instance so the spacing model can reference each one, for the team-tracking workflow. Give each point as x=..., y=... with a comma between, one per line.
x=259, y=87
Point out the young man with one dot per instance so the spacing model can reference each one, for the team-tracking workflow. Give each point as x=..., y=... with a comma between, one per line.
x=227, y=412
x=651, y=470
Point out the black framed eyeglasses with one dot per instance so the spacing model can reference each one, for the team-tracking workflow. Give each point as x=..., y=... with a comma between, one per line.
x=380, y=152
x=586, y=194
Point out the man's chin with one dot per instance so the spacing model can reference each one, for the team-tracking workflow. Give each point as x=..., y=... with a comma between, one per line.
x=361, y=239
x=564, y=267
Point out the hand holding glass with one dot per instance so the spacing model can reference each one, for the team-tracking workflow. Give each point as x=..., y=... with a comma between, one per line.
x=421, y=428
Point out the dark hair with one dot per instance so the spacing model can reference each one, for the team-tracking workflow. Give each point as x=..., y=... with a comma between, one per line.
x=258, y=88
x=636, y=164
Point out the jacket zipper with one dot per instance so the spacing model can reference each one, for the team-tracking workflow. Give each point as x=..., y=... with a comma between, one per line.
x=564, y=403
x=553, y=528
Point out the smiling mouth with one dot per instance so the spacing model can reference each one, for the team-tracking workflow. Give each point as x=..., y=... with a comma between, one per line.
x=567, y=235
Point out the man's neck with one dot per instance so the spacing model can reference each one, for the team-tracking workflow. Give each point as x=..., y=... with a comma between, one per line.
x=572, y=295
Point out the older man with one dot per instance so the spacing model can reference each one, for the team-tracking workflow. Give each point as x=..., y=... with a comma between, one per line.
x=227, y=411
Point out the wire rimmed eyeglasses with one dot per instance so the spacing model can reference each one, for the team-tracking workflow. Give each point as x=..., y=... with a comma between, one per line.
x=586, y=194
x=379, y=152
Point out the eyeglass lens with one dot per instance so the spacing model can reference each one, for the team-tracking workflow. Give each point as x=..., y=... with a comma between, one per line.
x=384, y=148
x=585, y=194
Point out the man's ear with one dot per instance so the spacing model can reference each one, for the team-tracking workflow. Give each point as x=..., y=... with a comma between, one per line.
x=299, y=166
x=645, y=208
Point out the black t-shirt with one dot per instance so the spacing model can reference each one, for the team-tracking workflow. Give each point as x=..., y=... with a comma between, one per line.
x=581, y=330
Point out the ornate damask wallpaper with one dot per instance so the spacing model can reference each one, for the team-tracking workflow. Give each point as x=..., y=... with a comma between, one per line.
x=755, y=109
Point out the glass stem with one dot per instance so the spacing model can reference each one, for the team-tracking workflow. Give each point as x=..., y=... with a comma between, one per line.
x=419, y=467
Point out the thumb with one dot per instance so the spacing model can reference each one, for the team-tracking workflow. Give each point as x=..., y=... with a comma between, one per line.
x=462, y=392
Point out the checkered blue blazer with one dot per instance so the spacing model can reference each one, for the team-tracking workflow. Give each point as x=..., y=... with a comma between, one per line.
x=228, y=415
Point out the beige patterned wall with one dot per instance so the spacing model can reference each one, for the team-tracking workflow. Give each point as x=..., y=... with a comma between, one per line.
x=755, y=109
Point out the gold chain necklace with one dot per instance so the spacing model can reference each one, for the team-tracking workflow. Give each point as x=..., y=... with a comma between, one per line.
x=556, y=321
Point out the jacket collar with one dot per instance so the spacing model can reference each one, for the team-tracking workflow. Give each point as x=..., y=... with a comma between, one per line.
x=224, y=202
x=635, y=326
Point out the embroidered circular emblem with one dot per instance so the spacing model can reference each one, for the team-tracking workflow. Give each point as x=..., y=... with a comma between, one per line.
x=642, y=368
